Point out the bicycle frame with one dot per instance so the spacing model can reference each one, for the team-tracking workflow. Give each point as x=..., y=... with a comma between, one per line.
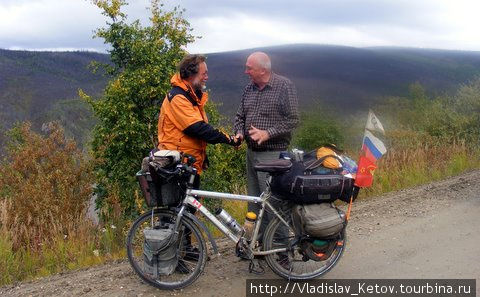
x=263, y=199
x=284, y=249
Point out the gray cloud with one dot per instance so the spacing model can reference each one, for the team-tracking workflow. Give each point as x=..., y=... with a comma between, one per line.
x=233, y=24
x=345, y=13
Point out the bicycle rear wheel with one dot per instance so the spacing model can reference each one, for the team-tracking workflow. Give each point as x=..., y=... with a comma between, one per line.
x=293, y=264
x=192, y=250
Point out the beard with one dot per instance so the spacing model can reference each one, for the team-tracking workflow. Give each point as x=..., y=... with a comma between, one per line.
x=199, y=86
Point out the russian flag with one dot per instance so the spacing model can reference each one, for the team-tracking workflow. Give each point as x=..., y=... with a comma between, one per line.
x=373, y=147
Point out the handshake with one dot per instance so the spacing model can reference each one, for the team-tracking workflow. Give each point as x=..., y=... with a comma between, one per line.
x=257, y=135
x=235, y=140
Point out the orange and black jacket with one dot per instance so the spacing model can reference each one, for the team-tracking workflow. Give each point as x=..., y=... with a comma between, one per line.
x=183, y=123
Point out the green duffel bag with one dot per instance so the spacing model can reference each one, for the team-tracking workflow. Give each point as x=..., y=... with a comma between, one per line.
x=321, y=220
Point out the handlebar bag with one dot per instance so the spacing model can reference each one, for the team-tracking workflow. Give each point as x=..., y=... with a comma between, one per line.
x=165, y=187
x=159, y=185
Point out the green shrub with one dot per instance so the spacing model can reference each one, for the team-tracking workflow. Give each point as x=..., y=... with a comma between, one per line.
x=317, y=129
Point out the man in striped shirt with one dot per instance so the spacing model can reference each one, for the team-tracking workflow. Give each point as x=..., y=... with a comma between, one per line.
x=266, y=117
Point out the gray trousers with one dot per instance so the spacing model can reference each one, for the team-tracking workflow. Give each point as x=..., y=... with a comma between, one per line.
x=256, y=185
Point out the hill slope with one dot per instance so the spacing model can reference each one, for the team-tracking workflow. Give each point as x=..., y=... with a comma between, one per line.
x=43, y=86
x=34, y=84
x=345, y=77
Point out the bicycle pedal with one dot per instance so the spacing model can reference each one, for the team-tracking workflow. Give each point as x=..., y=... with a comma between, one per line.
x=256, y=267
x=213, y=256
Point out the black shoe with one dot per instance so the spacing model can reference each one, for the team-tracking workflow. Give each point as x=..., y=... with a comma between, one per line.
x=191, y=254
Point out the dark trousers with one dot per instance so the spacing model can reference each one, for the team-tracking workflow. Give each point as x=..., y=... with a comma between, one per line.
x=256, y=185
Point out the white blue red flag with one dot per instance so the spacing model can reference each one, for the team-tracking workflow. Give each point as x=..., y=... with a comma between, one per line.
x=373, y=147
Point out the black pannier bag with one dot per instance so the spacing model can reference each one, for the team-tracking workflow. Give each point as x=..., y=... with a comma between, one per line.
x=160, y=187
x=160, y=255
x=309, y=182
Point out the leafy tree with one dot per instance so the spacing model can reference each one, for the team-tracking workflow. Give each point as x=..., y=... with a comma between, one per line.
x=467, y=99
x=445, y=119
x=418, y=96
x=466, y=102
x=143, y=60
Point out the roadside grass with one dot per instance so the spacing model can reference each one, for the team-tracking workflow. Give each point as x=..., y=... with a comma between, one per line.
x=88, y=247
x=45, y=185
x=400, y=169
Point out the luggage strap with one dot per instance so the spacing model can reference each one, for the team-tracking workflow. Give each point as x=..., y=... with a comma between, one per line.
x=179, y=91
x=317, y=162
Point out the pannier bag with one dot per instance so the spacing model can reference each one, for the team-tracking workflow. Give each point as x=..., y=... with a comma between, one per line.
x=159, y=254
x=317, y=249
x=321, y=220
x=321, y=188
x=309, y=181
x=158, y=187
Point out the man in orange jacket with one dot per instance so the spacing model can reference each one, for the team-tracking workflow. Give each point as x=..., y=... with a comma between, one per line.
x=183, y=126
x=183, y=123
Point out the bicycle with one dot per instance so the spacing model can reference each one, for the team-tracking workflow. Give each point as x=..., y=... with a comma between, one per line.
x=282, y=245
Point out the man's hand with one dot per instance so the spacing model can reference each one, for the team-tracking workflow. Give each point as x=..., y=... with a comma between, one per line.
x=239, y=136
x=235, y=141
x=260, y=136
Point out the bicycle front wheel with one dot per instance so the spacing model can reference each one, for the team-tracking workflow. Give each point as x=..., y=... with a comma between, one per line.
x=294, y=264
x=192, y=250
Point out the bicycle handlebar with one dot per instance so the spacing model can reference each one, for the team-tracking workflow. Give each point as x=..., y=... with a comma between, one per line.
x=190, y=159
x=185, y=170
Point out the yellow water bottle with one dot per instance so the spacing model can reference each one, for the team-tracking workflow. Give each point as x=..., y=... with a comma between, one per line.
x=249, y=225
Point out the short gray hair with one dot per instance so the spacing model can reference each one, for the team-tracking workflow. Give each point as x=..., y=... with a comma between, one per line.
x=265, y=63
x=263, y=60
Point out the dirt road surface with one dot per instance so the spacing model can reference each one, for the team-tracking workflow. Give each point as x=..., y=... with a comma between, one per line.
x=427, y=232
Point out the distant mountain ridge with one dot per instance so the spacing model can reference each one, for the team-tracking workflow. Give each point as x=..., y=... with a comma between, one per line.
x=345, y=77
x=42, y=86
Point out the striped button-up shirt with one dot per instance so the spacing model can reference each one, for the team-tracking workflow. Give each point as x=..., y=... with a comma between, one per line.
x=273, y=108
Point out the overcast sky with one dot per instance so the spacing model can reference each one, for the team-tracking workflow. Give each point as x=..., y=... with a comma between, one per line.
x=238, y=24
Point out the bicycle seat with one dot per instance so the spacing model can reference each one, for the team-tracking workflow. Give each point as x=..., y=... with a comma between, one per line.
x=275, y=166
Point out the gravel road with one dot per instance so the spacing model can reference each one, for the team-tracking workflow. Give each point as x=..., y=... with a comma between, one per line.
x=430, y=231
